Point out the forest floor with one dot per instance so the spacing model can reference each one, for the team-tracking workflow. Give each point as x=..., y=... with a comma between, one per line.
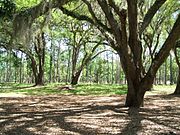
x=88, y=115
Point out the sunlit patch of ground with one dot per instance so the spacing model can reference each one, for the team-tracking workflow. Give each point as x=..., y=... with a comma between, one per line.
x=12, y=95
x=161, y=90
x=88, y=115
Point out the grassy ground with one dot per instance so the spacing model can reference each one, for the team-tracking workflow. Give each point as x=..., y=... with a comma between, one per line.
x=81, y=89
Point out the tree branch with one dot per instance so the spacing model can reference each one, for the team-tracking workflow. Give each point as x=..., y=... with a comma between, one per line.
x=84, y=18
x=99, y=53
x=169, y=44
x=109, y=15
x=150, y=14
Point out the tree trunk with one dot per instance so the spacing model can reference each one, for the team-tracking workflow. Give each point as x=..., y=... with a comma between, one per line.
x=108, y=68
x=177, y=90
x=21, y=69
x=112, y=71
x=171, y=71
x=137, y=90
x=118, y=72
x=40, y=50
x=39, y=80
x=58, y=63
x=87, y=74
x=165, y=73
x=50, y=62
x=68, y=66
x=34, y=70
x=76, y=77
x=8, y=66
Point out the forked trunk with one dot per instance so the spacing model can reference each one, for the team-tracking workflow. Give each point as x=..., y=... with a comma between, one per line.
x=137, y=90
x=75, y=78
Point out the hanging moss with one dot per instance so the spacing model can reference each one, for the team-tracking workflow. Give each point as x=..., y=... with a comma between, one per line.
x=23, y=21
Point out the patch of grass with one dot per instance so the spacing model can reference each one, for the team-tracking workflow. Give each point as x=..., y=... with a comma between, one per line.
x=82, y=89
x=162, y=89
x=101, y=89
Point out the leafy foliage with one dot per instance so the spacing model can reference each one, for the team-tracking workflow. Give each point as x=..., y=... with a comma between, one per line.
x=7, y=9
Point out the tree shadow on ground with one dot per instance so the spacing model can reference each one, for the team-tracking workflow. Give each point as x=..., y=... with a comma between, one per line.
x=86, y=115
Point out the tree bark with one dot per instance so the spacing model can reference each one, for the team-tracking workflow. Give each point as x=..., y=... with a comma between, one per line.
x=76, y=77
x=40, y=50
x=177, y=90
x=165, y=72
x=171, y=70
x=34, y=69
x=51, y=62
x=58, y=63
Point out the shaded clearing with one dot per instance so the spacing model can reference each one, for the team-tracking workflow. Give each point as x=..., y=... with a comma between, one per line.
x=88, y=115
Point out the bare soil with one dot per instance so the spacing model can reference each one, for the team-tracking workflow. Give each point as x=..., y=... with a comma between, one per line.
x=88, y=115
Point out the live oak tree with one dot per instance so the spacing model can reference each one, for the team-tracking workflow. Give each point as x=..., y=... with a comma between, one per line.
x=123, y=29
x=84, y=47
x=36, y=53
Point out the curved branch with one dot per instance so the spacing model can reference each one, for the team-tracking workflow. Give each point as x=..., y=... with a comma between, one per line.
x=84, y=18
x=169, y=44
x=93, y=57
x=109, y=15
x=91, y=10
x=150, y=14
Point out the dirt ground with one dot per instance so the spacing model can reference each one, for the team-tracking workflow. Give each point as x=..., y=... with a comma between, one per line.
x=88, y=115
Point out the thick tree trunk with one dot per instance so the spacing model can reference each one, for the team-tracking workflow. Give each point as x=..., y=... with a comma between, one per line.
x=134, y=99
x=76, y=77
x=136, y=91
x=39, y=80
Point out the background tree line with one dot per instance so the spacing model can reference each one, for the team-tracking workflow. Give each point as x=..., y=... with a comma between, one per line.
x=16, y=67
